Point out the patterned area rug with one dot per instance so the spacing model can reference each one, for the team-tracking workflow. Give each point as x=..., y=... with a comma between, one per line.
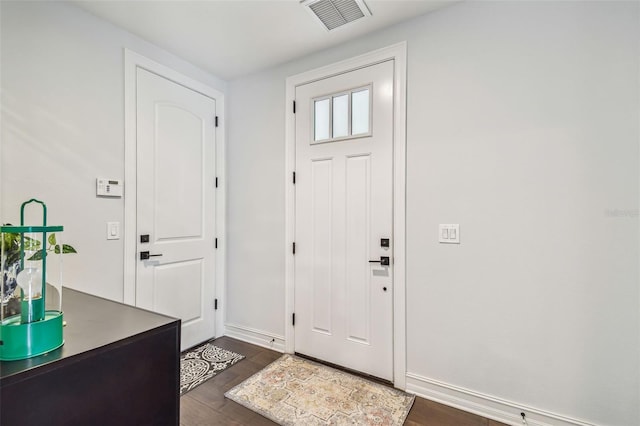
x=296, y=391
x=201, y=363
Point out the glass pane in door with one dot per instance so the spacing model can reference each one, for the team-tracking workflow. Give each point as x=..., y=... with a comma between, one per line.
x=360, y=112
x=321, y=119
x=340, y=116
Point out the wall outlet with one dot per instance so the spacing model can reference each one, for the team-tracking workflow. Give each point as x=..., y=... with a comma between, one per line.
x=449, y=233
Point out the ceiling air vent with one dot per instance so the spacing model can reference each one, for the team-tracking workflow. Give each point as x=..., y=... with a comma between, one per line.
x=336, y=13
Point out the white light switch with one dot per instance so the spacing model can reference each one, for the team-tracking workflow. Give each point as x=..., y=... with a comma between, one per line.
x=113, y=230
x=449, y=233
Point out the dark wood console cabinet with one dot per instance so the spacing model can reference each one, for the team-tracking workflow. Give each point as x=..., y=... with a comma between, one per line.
x=119, y=366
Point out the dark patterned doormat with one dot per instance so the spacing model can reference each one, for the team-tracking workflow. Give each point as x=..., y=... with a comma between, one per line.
x=201, y=363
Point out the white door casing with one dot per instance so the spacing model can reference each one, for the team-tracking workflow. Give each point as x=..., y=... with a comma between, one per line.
x=175, y=233
x=396, y=53
x=343, y=302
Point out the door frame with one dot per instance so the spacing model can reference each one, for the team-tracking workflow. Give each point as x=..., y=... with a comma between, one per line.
x=132, y=61
x=398, y=53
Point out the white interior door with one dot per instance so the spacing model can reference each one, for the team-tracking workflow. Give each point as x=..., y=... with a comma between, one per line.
x=344, y=209
x=176, y=204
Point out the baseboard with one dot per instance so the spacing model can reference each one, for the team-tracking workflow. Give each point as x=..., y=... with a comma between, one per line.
x=256, y=337
x=485, y=405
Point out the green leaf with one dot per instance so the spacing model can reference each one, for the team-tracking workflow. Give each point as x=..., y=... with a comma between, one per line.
x=56, y=249
x=66, y=248
x=38, y=255
x=12, y=257
x=31, y=244
x=52, y=239
x=9, y=240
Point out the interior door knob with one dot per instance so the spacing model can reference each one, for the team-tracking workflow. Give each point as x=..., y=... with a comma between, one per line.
x=384, y=261
x=144, y=255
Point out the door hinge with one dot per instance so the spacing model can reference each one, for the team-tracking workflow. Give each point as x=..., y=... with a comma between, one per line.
x=216, y=243
x=294, y=107
x=216, y=182
x=216, y=121
x=294, y=248
x=215, y=304
x=293, y=319
x=294, y=178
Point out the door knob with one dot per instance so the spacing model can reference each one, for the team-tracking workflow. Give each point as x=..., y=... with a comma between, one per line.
x=384, y=261
x=144, y=255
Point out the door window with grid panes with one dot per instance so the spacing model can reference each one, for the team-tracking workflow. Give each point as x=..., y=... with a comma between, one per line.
x=342, y=115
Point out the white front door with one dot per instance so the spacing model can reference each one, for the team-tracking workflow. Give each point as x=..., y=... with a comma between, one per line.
x=344, y=214
x=176, y=149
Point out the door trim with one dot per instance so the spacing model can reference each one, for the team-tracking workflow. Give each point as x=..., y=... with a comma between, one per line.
x=132, y=61
x=398, y=53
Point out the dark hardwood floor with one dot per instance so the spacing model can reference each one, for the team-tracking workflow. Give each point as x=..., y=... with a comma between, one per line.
x=206, y=404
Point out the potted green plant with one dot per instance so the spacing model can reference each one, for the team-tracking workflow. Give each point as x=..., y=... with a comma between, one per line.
x=11, y=260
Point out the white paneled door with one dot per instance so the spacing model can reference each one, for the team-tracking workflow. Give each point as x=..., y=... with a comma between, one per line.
x=344, y=220
x=176, y=204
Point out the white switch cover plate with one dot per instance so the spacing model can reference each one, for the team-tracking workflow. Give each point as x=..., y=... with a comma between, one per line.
x=449, y=233
x=113, y=230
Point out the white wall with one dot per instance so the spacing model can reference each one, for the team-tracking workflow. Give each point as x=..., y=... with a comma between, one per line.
x=63, y=126
x=522, y=127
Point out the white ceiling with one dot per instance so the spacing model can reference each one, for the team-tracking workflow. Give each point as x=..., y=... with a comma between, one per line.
x=233, y=38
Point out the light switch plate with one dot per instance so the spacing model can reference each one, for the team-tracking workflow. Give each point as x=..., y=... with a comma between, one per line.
x=449, y=233
x=113, y=230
